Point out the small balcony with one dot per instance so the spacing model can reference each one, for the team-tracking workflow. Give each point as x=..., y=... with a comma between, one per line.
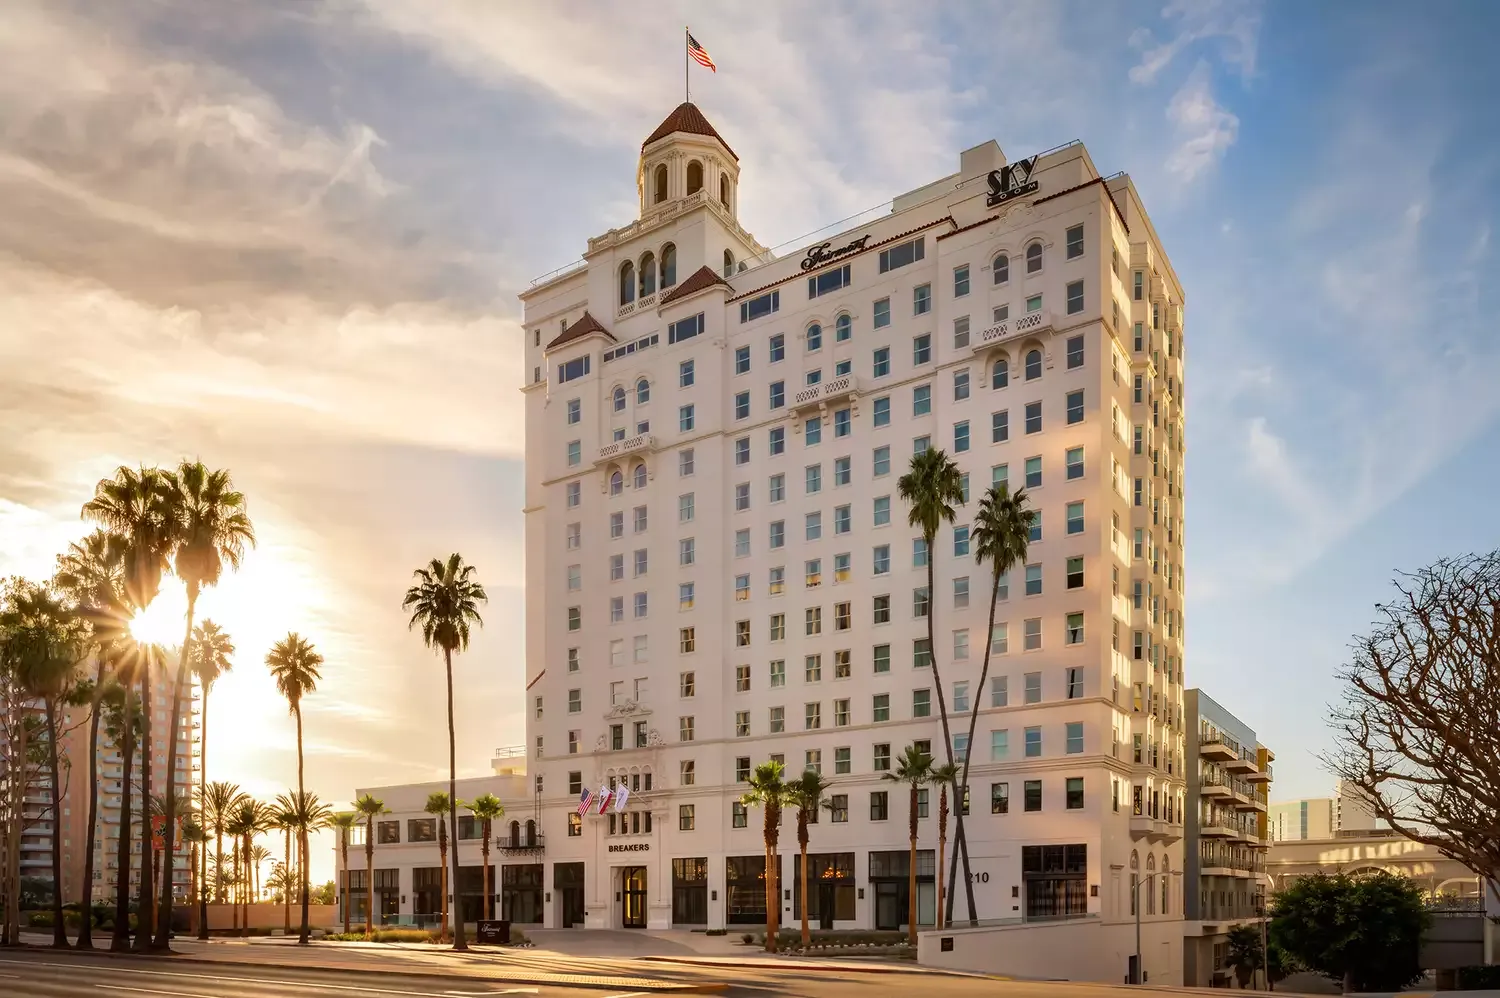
x=827, y=393
x=1260, y=775
x=1239, y=764
x=522, y=843
x=1009, y=329
x=641, y=443
x=1217, y=828
x=1214, y=786
x=1217, y=749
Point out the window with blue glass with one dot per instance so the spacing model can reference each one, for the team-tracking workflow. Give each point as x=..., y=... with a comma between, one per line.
x=742, y=405
x=813, y=430
x=1033, y=472
x=961, y=436
x=828, y=281
x=880, y=563
x=742, y=360
x=572, y=370
x=1034, y=528
x=842, y=368
x=918, y=552
x=814, y=337
x=921, y=400
x=777, y=347
x=882, y=361
x=902, y=255
x=685, y=329
x=1000, y=426
x=685, y=374
x=882, y=313
x=921, y=299
x=882, y=511
x=883, y=411
x=685, y=418
x=921, y=349
x=843, y=422
x=841, y=471
x=960, y=541
x=882, y=462
x=742, y=450
x=1033, y=580
x=843, y=328
x=815, y=376
x=1033, y=417
x=760, y=306
x=777, y=442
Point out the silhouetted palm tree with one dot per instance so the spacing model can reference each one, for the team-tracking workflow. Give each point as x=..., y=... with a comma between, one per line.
x=212, y=657
x=485, y=807
x=913, y=768
x=369, y=807
x=344, y=822
x=805, y=793
x=439, y=804
x=294, y=665
x=768, y=790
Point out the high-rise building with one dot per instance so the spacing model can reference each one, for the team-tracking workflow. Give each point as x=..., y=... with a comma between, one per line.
x=720, y=570
x=1229, y=776
x=1323, y=817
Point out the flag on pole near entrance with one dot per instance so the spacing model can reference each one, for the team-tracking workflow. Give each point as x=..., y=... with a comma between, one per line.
x=700, y=54
x=584, y=801
x=602, y=797
x=622, y=794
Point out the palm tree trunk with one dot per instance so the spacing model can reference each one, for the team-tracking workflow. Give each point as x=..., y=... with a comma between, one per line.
x=443, y=878
x=458, y=927
x=164, y=928
x=120, y=941
x=937, y=680
x=806, y=936
x=344, y=848
x=86, y=929
x=145, y=898
x=369, y=876
x=771, y=900
x=486, y=906
x=301, y=830
x=54, y=773
x=203, y=846
x=961, y=843
x=286, y=886
x=911, y=874
x=942, y=848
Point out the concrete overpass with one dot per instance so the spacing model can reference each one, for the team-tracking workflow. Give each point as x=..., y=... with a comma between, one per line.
x=1379, y=849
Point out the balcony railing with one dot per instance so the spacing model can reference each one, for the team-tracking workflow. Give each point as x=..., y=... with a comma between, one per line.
x=520, y=843
x=640, y=443
x=827, y=392
x=1009, y=329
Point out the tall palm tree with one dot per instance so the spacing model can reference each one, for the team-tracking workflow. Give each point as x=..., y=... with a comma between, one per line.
x=210, y=531
x=138, y=505
x=438, y=805
x=369, y=807
x=92, y=572
x=445, y=602
x=44, y=642
x=933, y=487
x=768, y=790
x=286, y=820
x=806, y=794
x=343, y=822
x=241, y=824
x=294, y=665
x=1001, y=533
x=485, y=807
x=914, y=768
x=943, y=776
x=258, y=856
x=212, y=657
x=195, y=835
x=121, y=722
x=306, y=814
x=219, y=801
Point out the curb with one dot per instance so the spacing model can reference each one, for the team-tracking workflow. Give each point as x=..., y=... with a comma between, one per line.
x=827, y=968
x=559, y=979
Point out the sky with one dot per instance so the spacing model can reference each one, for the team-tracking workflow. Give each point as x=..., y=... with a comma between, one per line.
x=287, y=238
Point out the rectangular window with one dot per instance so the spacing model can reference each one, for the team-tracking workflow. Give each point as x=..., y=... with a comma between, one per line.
x=812, y=716
x=842, y=766
x=882, y=757
x=687, y=640
x=999, y=688
x=921, y=654
x=685, y=329
x=841, y=519
x=880, y=808
x=778, y=672
x=999, y=798
x=812, y=526
x=921, y=703
x=841, y=570
x=828, y=281
x=812, y=431
x=841, y=471
x=961, y=593
x=813, y=478
x=1000, y=745
x=961, y=436
x=1074, y=737
x=882, y=364
x=1075, y=526
x=1033, y=795
x=778, y=720
x=921, y=299
x=1075, y=352
x=778, y=534
x=1031, y=634
x=742, y=451
x=777, y=348
x=572, y=370
x=686, y=818
x=1033, y=742
x=1033, y=472
x=1075, y=572
x=882, y=658
x=685, y=418
x=758, y=307
x=1033, y=683
x=921, y=400
x=881, y=458
x=1033, y=417
x=921, y=349
x=1139, y=287
x=1075, y=297
x=960, y=541
x=882, y=313
x=843, y=422
x=1075, y=407
x=742, y=405
x=1074, y=463
x=1074, y=787
x=1000, y=426
x=1074, y=629
x=1074, y=240
x=742, y=360
x=902, y=255
x=960, y=281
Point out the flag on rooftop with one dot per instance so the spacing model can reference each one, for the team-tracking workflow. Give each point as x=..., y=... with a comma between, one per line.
x=700, y=54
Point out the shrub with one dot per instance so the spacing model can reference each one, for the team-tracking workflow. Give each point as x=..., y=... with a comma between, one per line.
x=748, y=938
x=717, y=932
x=386, y=936
x=1479, y=978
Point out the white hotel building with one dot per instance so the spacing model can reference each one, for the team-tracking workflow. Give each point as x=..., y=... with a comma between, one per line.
x=720, y=571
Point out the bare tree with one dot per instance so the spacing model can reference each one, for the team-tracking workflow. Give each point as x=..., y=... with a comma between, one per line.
x=1417, y=729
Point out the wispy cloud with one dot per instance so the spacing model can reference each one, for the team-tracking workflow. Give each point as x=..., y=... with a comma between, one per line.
x=1203, y=129
x=1232, y=25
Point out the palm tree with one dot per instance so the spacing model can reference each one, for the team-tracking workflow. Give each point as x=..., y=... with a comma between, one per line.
x=438, y=805
x=219, y=801
x=806, y=794
x=258, y=855
x=1002, y=530
x=932, y=487
x=369, y=807
x=943, y=775
x=485, y=807
x=769, y=790
x=286, y=821
x=212, y=657
x=93, y=573
x=194, y=834
x=210, y=531
x=305, y=813
x=178, y=803
x=294, y=666
x=445, y=602
x=137, y=504
x=122, y=724
x=344, y=822
x=914, y=768
x=43, y=642
x=242, y=824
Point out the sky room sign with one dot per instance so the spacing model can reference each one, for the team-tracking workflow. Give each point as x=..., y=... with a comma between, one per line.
x=1011, y=181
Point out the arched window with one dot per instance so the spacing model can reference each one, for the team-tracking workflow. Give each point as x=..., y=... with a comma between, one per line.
x=531, y=831
x=627, y=283
x=1000, y=373
x=814, y=337
x=724, y=189
x=642, y=392
x=1034, y=258
x=668, y=266
x=648, y=275
x=728, y=264
x=515, y=833
x=843, y=328
x=1033, y=364
x=743, y=266
x=616, y=482
x=1001, y=268
x=1148, y=891
x=661, y=185
x=695, y=177
x=639, y=477
x=1135, y=860
x=619, y=399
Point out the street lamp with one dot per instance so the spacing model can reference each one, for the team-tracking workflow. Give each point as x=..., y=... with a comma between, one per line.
x=1135, y=971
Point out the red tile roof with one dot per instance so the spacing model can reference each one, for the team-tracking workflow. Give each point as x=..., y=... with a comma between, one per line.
x=687, y=118
x=701, y=279
x=585, y=326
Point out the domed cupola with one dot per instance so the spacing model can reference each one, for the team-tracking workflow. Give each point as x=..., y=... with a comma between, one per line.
x=684, y=156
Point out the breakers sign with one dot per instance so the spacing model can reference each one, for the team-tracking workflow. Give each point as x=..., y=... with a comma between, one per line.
x=631, y=847
x=823, y=253
x=1010, y=182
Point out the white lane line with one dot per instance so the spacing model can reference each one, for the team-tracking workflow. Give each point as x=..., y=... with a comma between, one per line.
x=229, y=979
x=631, y=994
x=152, y=991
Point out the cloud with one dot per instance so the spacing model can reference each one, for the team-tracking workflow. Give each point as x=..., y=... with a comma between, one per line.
x=1233, y=24
x=1203, y=129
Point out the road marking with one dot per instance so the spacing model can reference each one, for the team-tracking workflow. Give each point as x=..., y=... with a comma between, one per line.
x=631, y=994
x=507, y=991
x=230, y=979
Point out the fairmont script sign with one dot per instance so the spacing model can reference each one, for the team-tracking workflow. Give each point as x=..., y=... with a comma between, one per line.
x=631, y=847
x=1010, y=182
x=823, y=253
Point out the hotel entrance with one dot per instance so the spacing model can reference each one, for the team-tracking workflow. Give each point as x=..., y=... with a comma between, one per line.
x=633, y=897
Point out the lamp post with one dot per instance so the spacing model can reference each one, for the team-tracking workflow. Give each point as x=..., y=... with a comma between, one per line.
x=1135, y=971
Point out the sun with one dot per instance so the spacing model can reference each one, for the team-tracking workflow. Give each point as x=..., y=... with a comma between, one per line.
x=161, y=623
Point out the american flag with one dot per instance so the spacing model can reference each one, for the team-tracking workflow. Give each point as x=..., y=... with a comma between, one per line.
x=603, y=798
x=584, y=801
x=700, y=54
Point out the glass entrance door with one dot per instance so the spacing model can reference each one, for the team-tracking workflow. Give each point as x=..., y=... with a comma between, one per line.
x=633, y=897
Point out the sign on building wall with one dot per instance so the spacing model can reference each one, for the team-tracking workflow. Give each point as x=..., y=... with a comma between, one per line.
x=1011, y=181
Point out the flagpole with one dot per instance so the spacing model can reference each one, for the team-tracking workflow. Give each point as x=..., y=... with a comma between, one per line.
x=687, y=94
